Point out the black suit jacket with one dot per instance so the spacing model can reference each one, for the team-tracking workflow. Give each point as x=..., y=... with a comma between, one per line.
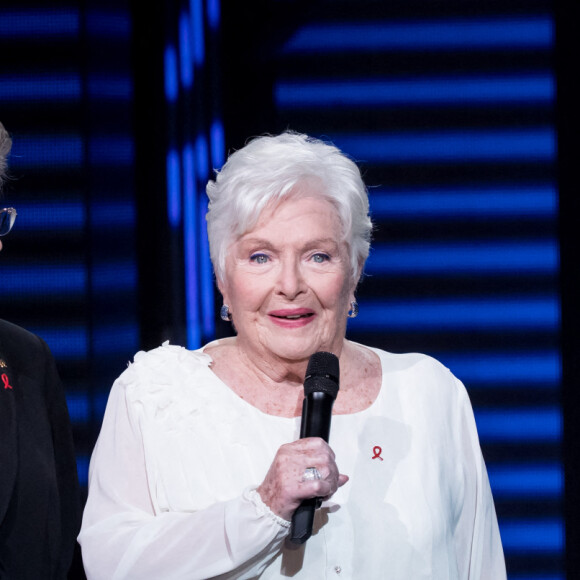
x=39, y=492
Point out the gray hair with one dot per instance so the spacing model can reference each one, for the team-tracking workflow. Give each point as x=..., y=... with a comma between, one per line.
x=5, y=146
x=270, y=169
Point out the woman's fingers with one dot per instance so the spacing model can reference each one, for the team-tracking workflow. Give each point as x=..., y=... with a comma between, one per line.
x=285, y=485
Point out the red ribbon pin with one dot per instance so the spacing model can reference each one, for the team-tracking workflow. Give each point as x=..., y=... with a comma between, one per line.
x=377, y=452
x=6, y=382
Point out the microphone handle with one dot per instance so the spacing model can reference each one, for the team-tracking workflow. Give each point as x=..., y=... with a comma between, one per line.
x=302, y=521
x=316, y=415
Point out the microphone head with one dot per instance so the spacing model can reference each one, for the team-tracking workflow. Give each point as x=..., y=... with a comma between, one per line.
x=322, y=374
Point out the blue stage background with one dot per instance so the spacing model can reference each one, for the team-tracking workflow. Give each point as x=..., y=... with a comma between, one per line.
x=119, y=113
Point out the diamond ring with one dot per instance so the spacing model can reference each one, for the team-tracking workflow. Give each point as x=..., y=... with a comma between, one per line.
x=310, y=474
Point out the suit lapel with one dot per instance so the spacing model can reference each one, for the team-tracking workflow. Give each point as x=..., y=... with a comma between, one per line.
x=8, y=437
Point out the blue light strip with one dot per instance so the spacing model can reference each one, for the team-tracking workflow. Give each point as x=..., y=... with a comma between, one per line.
x=58, y=87
x=66, y=343
x=465, y=146
x=190, y=239
x=111, y=87
x=523, y=425
x=204, y=271
x=197, y=28
x=474, y=314
x=213, y=14
x=113, y=214
x=201, y=159
x=56, y=24
x=54, y=279
x=56, y=151
x=112, y=339
x=532, y=535
x=40, y=88
x=520, y=369
x=67, y=280
x=115, y=276
x=457, y=34
x=61, y=215
x=217, y=143
x=207, y=282
x=112, y=150
x=170, y=68
x=497, y=202
x=83, y=469
x=173, y=188
x=185, y=56
x=513, y=481
x=79, y=407
x=497, y=258
x=455, y=91
x=111, y=24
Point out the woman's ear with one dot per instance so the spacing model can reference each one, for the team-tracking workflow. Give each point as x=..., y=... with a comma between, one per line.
x=222, y=288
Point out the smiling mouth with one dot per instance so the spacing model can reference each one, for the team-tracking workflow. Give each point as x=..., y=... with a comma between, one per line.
x=293, y=316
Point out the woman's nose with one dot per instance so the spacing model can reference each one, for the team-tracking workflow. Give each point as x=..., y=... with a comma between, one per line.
x=290, y=280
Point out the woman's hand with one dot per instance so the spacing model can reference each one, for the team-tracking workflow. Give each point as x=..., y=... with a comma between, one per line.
x=283, y=488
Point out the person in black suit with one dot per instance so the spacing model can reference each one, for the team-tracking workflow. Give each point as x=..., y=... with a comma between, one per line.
x=39, y=492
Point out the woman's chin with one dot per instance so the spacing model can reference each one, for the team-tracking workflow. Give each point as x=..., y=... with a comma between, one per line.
x=294, y=350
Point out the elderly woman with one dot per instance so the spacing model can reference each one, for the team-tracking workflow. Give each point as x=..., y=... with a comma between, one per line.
x=40, y=507
x=198, y=468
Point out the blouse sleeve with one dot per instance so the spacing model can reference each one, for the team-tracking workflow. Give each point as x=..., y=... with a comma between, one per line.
x=123, y=536
x=477, y=534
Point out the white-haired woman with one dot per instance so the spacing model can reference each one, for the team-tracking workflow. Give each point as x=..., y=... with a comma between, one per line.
x=199, y=468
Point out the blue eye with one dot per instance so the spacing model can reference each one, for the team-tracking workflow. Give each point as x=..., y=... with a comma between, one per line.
x=320, y=258
x=259, y=258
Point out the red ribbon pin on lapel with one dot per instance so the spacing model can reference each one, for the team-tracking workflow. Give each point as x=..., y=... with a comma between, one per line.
x=6, y=381
x=377, y=452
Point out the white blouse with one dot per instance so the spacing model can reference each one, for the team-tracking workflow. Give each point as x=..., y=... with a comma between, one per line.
x=173, y=476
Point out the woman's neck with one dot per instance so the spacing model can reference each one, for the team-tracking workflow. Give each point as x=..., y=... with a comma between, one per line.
x=275, y=386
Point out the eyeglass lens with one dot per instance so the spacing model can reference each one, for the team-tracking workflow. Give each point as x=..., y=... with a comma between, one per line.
x=7, y=217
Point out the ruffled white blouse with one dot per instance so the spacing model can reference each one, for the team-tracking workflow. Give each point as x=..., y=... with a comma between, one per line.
x=173, y=476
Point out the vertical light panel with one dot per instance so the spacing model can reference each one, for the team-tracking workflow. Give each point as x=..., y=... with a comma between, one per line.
x=196, y=132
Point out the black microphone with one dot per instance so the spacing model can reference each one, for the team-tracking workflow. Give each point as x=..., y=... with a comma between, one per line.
x=320, y=390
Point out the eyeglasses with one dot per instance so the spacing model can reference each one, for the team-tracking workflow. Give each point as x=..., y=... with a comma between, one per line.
x=7, y=217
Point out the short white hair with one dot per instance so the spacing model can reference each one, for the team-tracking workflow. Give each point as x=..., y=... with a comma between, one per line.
x=5, y=146
x=270, y=169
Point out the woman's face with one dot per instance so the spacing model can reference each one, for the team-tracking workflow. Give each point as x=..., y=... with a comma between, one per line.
x=288, y=281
